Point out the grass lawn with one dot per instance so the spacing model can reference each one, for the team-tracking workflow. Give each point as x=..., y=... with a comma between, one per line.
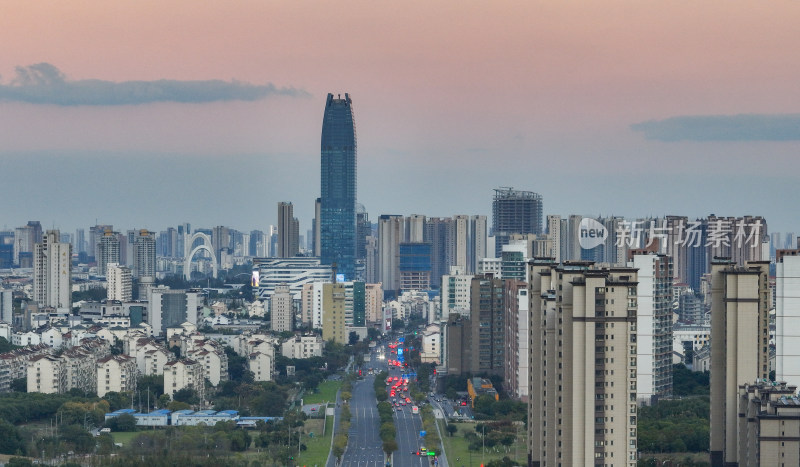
x=326, y=391
x=124, y=437
x=456, y=448
x=319, y=445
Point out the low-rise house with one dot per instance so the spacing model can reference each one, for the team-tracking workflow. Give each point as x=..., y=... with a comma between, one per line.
x=303, y=347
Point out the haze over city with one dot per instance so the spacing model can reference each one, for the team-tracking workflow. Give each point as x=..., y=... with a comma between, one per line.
x=148, y=114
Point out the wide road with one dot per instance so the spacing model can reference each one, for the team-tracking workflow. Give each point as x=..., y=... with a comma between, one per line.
x=364, y=446
x=408, y=428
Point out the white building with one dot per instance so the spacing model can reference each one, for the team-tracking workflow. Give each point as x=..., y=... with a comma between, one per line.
x=282, y=309
x=431, y=344
x=291, y=271
x=262, y=365
x=46, y=374
x=455, y=293
x=653, y=326
x=787, y=316
x=116, y=373
x=311, y=303
x=184, y=373
x=119, y=283
x=6, y=306
x=303, y=347
x=52, y=272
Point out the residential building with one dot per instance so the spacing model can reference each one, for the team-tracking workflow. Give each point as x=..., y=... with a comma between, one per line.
x=769, y=424
x=144, y=253
x=333, y=314
x=373, y=302
x=517, y=339
x=170, y=307
x=52, y=273
x=653, y=326
x=583, y=353
x=14, y=364
x=262, y=365
x=119, y=283
x=303, y=347
x=338, y=186
x=391, y=232
x=739, y=348
x=455, y=292
x=116, y=373
x=487, y=317
x=311, y=303
x=787, y=316
x=6, y=306
x=282, y=309
x=288, y=231
x=47, y=374
x=108, y=251
x=431, y=344
x=184, y=374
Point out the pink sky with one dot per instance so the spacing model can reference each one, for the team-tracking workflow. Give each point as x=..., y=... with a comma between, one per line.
x=540, y=85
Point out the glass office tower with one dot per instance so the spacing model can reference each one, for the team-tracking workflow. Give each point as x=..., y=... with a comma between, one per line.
x=338, y=200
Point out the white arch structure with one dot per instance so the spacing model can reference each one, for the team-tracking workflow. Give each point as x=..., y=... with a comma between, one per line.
x=206, y=245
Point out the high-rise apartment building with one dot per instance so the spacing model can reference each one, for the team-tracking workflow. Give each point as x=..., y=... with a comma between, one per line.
x=220, y=240
x=171, y=307
x=119, y=283
x=288, y=231
x=333, y=313
x=107, y=251
x=391, y=232
x=52, y=272
x=338, y=186
x=787, y=316
x=282, y=309
x=739, y=348
x=515, y=211
x=487, y=325
x=654, y=326
x=144, y=253
x=6, y=306
x=583, y=339
x=25, y=238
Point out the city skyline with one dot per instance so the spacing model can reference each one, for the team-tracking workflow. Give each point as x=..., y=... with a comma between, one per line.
x=638, y=109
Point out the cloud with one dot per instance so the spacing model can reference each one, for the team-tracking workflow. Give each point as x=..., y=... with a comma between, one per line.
x=743, y=127
x=43, y=83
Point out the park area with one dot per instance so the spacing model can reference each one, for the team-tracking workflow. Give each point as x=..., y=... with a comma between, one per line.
x=325, y=392
x=457, y=446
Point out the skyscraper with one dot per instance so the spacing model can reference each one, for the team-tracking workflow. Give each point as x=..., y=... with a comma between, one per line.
x=514, y=211
x=338, y=186
x=52, y=272
x=288, y=231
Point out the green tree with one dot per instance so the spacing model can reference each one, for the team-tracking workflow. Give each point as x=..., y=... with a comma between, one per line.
x=389, y=446
x=10, y=439
x=187, y=395
x=124, y=422
x=451, y=429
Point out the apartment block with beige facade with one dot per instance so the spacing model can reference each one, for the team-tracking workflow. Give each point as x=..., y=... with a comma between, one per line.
x=116, y=373
x=582, y=408
x=333, y=314
x=182, y=374
x=769, y=424
x=740, y=303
